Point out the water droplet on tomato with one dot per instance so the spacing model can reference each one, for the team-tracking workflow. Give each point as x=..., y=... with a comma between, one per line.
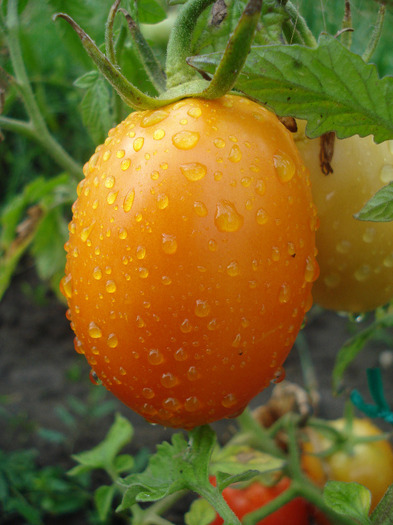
x=193, y=374
x=386, y=174
x=285, y=167
x=262, y=216
x=388, y=261
x=227, y=218
x=200, y=209
x=153, y=118
x=66, y=286
x=285, y=293
x=369, y=235
x=169, y=243
x=194, y=112
x=202, y=308
x=186, y=326
x=276, y=254
x=78, y=346
x=158, y=134
x=112, y=341
x=143, y=272
x=125, y=164
x=110, y=286
x=168, y=380
x=123, y=234
x=362, y=273
x=155, y=357
x=312, y=270
x=185, y=139
x=219, y=143
x=86, y=231
x=212, y=244
x=109, y=182
x=172, y=404
x=162, y=201
x=279, y=376
x=233, y=269
x=181, y=354
x=94, y=378
x=235, y=155
x=148, y=393
x=128, y=200
x=193, y=171
x=97, y=273
x=111, y=197
x=229, y=401
x=94, y=331
x=138, y=144
x=120, y=153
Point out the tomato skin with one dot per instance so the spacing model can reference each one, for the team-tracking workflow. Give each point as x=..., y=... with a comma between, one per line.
x=355, y=257
x=256, y=495
x=191, y=258
x=370, y=464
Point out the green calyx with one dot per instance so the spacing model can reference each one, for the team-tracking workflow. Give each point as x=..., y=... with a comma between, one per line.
x=179, y=80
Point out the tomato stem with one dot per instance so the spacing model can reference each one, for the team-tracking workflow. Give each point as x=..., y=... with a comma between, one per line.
x=376, y=34
x=36, y=128
x=300, y=26
x=109, y=44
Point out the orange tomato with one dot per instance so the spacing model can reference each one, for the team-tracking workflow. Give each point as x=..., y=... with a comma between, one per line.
x=191, y=258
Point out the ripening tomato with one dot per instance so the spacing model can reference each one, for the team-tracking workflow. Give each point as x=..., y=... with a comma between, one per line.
x=355, y=257
x=370, y=464
x=245, y=500
x=191, y=258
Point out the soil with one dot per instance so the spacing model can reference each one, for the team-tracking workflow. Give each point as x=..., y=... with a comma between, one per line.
x=40, y=375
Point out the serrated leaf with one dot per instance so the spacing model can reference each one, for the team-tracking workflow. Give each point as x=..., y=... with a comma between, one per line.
x=95, y=110
x=176, y=466
x=349, y=499
x=380, y=207
x=104, y=454
x=329, y=86
x=383, y=513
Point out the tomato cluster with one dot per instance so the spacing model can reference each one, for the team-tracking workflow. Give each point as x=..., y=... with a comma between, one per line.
x=191, y=258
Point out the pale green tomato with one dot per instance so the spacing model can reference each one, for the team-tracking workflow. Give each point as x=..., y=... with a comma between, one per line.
x=355, y=257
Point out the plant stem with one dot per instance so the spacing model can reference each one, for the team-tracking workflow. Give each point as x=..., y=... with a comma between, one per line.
x=38, y=128
x=180, y=41
x=217, y=501
x=300, y=25
x=376, y=34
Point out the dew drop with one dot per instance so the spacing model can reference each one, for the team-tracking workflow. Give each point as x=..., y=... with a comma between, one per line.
x=169, y=243
x=185, y=139
x=233, y=269
x=369, y=235
x=388, y=260
x=279, y=376
x=200, y=209
x=111, y=197
x=291, y=249
x=212, y=244
x=143, y=272
x=172, y=404
x=212, y=325
x=195, y=112
x=140, y=322
x=202, y=308
x=168, y=380
x=158, y=134
x=66, y=286
x=97, y=273
x=237, y=340
x=312, y=270
x=94, y=331
x=219, y=143
x=246, y=181
x=78, y=346
x=112, y=341
x=125, y=164
x=140, y=252
x=343, y=246
x=181, y=354
x=109, y=182
x=229, y=401
x=284, y=294
x=110, y=286
x=332, y=280
x=162, y=201
x=362, y=273
x=148, y=393
x=123, y=233
x=155, y=357
x=166, y=280
x=94, y=378
x=193, y=171
x=235, y=155
x=86, y=231
x=386, y=173
x=192, y=404
x=154, y=118
x=262, y=216
x=227, y=218
x=138, y=144
x=128, y=200
x=276, y=254
x=120, y=153
x=154, y=175
x=285, y=167
x=186, y=326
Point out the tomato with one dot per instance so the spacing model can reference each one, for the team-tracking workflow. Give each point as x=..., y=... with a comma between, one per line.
x=370, y=464
x=355, y=257
x=191, y=258
x=253, y=497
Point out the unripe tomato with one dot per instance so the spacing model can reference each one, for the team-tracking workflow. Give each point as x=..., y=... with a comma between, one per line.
x=370, y=464
x=355, y=257
x=191, y=258
x=245, y=500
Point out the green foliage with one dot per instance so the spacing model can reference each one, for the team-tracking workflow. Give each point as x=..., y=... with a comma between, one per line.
x=350, y=499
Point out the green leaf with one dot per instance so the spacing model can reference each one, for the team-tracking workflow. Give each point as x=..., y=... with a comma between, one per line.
x=349, y=499
x=103, y=455
x=103, y=498
x=354, y=345
x=96, y=110
x=87, y=80
x=200, y=513
x=380, y=207
x=150, y=12
x=124, y=463
x=329, y=86
x=383, y=513
x=175, y=466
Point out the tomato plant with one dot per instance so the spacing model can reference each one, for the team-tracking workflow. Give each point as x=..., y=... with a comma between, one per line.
x=355, y=257
x=191, y=258
x=356, y=458
x=254, y=496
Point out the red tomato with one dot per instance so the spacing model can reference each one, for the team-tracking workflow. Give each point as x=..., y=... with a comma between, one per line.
x=191, y=258
x=245, y=500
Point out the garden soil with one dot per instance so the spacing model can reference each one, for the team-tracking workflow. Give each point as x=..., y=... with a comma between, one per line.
x=41, y=376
